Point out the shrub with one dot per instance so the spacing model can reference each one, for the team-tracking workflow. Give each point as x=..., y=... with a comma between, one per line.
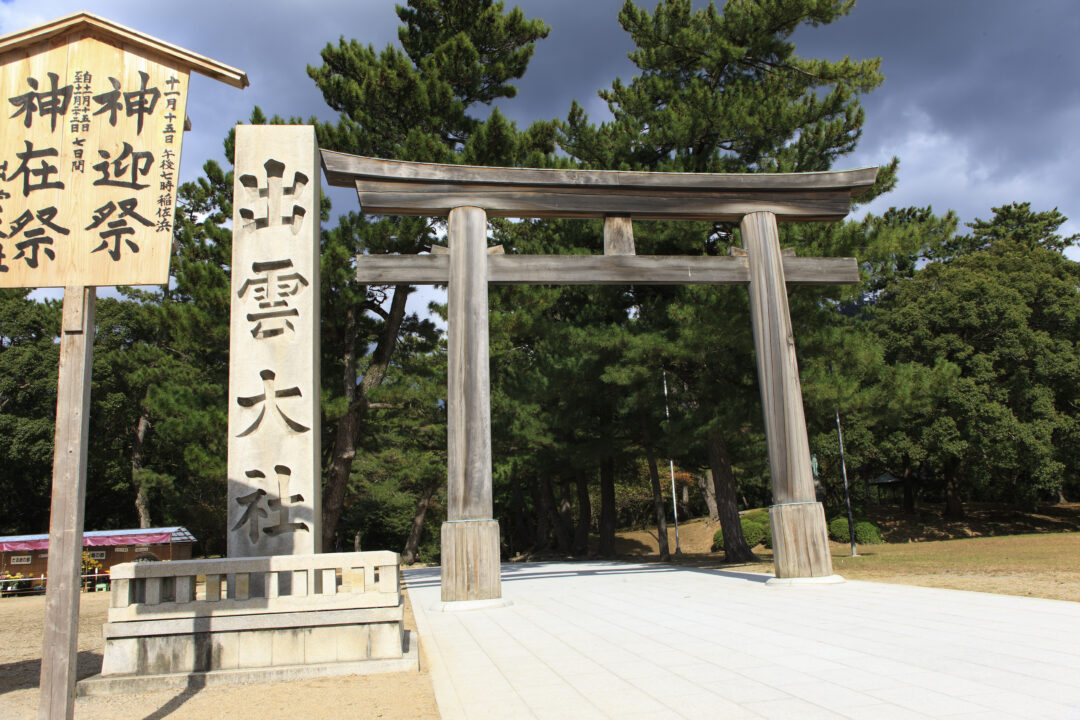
x=767, y=527
x=838, y=529
x=867, y=533
x=752, y=529
x=760, y=516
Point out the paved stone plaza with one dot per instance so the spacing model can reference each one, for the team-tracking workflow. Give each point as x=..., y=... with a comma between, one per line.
x=618, y=640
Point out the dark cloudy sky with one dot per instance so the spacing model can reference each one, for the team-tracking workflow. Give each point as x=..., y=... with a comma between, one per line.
x=981, y=100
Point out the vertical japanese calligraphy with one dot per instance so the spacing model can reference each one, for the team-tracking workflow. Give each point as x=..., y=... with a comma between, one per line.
x=274, y=439
x=90, y=139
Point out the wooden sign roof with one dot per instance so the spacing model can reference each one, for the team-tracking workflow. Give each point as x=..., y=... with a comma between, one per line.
x=90, y=147
x=133, y=40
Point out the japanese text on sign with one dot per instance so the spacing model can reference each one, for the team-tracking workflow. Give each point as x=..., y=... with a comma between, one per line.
x=89, y=149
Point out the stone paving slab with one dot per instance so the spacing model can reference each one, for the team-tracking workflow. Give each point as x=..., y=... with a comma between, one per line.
x=620, y=640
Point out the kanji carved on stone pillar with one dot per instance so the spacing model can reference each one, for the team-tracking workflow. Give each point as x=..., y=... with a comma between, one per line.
x=274, y=449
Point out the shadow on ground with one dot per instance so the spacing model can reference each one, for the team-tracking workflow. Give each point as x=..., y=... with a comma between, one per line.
x=25, y=674
x=633, y=565
x=981, y=520
x=195, y=684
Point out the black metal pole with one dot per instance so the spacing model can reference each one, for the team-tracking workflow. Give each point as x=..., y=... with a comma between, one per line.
x=847, y=494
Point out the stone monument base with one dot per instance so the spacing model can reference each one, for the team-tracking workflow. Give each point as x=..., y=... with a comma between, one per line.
x=314, y=615
x=97, y=685
x=470, y=560
x=800, y=540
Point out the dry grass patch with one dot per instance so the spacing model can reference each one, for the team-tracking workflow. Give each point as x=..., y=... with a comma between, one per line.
x=1046, y=565
x=1043, y=565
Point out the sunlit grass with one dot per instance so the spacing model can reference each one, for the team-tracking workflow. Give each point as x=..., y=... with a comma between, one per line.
x=1037, y=565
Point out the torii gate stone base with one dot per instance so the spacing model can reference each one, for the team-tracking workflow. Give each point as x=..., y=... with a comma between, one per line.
x=469, y=195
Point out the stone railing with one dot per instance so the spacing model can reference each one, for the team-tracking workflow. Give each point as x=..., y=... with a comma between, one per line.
x=236, y=586
x=334, y=611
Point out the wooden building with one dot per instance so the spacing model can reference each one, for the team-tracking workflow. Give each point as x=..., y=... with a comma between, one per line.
x=28, y=554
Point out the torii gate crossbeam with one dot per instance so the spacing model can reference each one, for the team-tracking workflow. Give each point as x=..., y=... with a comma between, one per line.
x=469, y=195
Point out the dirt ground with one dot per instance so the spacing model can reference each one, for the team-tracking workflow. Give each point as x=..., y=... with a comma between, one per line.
x=971, y=555
x=397, y=696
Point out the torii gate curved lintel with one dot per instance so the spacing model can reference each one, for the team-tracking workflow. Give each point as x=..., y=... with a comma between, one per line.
x=469, y=195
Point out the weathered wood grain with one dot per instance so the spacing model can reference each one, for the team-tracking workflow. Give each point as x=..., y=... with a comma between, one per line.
x=616, y=270
x=800, y=541
x=468, y=384
x=343, y=169
x=378, y=197
x=602, y=270
x=618, y=235
x=60, y=646
x=782, y=406
x=820, y=270
x=470, y=560
x=778, y=372
x=433, y=269
x=392, y=187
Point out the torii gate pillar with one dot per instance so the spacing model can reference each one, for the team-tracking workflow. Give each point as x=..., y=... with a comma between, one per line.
x=800, y=540
x=470, y=536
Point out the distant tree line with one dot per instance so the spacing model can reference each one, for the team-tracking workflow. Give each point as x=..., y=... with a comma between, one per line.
x=954, y=364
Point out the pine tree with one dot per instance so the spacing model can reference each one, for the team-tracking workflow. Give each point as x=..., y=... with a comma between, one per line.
x=412, y=103
x=721, y=91
x=29, y=358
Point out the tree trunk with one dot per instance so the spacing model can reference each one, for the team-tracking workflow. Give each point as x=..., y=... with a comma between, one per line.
x=562, y=533
x=142, y=500
x=412, y=543
x=543, y=525
x=584, y=523
x=707, y=487
x=348, y=428
x=684, y=503
x=522, y=530
x=657, y=493
x=658, y=505
x=735, y=548
x=607, y=507
x=566, y=514
x=909, y=492
x=954, y=507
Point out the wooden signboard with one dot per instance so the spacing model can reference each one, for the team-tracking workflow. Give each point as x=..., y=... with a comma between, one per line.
x=91, y=125
x=92, y=115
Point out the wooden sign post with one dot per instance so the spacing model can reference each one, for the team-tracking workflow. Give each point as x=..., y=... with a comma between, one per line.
x=90, y=144
x=468, y=195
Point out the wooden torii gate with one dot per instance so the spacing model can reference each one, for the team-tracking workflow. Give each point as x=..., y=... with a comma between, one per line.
x=469, y=195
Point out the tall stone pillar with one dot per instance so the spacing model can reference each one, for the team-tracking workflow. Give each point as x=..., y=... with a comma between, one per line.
x=470, y=537
x=274, y=489
x=800, y=541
